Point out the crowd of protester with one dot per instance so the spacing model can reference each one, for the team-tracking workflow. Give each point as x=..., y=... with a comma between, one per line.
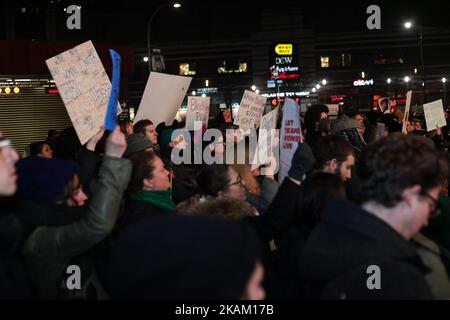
x=139, y=226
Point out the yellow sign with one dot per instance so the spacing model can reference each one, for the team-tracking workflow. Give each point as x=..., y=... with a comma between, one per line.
x=284, y=49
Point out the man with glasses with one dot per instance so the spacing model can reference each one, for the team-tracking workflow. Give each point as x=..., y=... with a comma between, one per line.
x=366, y=252
x=13, y=280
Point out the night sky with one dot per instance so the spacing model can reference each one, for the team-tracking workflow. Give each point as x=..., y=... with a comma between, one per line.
x=126, y=21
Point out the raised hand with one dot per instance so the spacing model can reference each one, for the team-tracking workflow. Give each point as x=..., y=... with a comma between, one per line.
x=116, y=144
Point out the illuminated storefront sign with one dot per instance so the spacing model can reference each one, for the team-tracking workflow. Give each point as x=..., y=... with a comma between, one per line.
x=362, y=83
x=284, y=49
x=284, y=61
x=208, y=90
x=287, y=94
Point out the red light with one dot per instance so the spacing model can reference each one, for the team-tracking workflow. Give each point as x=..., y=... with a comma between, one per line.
x=53, y=91
x=334, y=99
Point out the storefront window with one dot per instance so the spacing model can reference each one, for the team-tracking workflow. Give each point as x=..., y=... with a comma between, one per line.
x=187, y=69
x=324, y=61
x=232, y=66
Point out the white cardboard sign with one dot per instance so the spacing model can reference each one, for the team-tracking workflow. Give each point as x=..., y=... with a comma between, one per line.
x=162, y=97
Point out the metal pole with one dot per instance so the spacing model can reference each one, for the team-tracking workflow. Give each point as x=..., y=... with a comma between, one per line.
x=148, y=35
x=422, y=63
x=445, y=98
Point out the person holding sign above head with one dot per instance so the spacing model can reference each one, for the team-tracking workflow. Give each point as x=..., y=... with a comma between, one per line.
x=62, y=225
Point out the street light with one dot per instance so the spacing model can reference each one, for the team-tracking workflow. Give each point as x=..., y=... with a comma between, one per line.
x=257, y=91
x=145, y=59
x=175, y=5
x=313, y=89
x=318, y=86
x=253, y=87
x=408, y=25
x=324, y=82
x=389, y=80
x=406, y=79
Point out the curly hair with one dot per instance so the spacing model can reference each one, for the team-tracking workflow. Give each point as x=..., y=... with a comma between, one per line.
x=397, y=162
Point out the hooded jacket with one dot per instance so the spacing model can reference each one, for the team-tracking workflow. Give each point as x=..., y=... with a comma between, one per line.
x=336, y=257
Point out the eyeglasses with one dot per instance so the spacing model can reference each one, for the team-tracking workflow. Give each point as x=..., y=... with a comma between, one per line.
x=435, y=211
x=238, y=181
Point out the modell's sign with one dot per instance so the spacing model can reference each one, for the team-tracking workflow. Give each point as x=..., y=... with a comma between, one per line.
x=284, y=61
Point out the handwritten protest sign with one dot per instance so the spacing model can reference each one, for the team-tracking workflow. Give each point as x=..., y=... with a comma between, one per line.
x=84, y=87
x=162, y=97
x=267, y=136
x=197, y=110
x=434, y=115
x=250, y=110
x=291, y=135
x=407, y=110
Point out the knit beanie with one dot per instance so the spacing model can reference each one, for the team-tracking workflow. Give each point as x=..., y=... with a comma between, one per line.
x=42, y=180
x=137, y=142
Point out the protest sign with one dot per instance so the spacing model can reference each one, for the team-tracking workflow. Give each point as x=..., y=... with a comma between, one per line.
x=84, y=87
x=334, y=110
x=162, y=97
x=227, y=116
x=250, y=110
x=291, y=135
x=111, y=111
x=407, y=109
x=434, y=115
x=266, y=136
x=197, y=110
x=381, y=130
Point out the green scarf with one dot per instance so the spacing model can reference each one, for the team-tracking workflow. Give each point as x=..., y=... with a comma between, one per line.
x=160, y=198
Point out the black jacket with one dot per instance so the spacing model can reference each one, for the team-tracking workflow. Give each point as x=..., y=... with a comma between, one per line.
x=14, y=283
x=138, y=212
x=348, y=240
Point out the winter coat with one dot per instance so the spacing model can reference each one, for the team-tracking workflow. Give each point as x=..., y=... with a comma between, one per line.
x=337, y=256
x=50, y=249
x=14, y=282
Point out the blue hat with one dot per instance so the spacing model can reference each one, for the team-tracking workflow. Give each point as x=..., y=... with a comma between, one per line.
x=42, y=180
